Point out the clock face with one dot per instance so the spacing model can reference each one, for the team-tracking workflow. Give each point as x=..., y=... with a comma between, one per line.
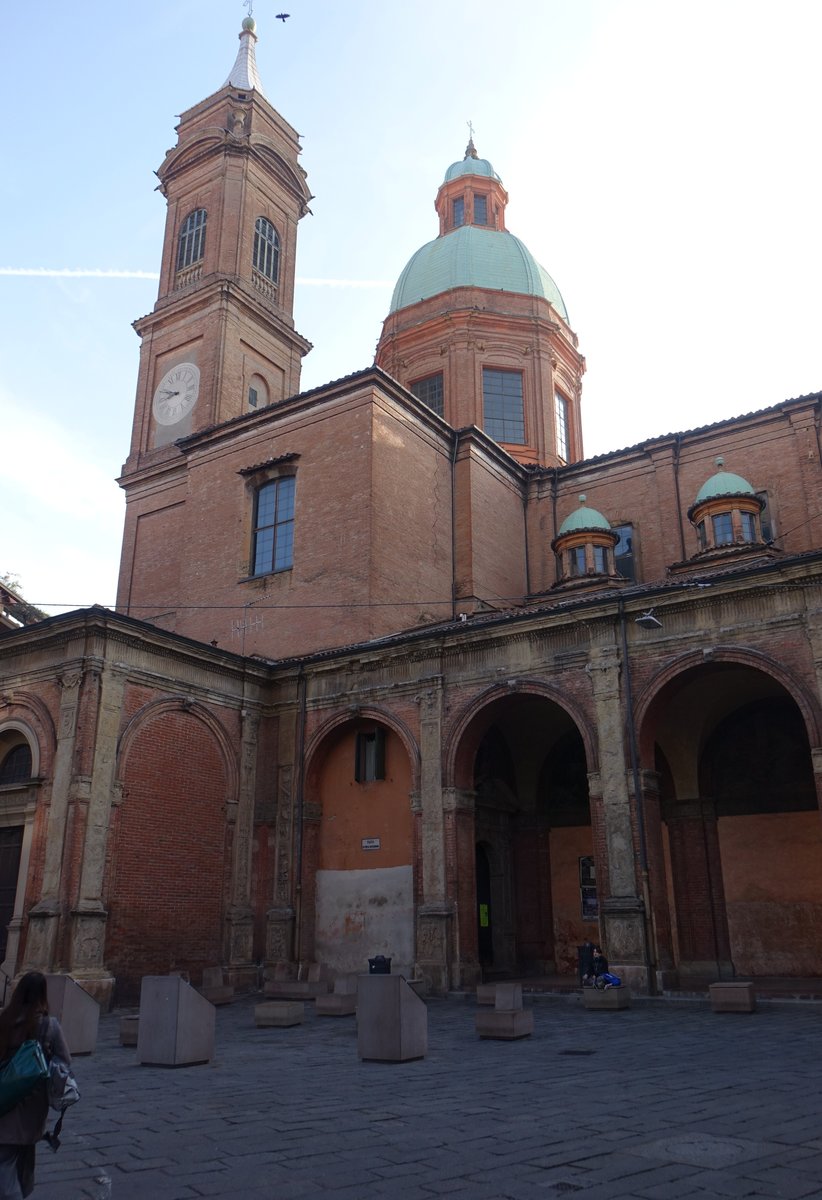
x=176, y=393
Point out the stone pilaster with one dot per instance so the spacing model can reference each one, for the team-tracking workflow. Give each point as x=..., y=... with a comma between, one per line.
x=240, y=917
x=44, y=917
x=433, y=857
x=663, y=956
x=280, y=918
x=279, y=934
x=623, y=917
x=435, y=915
x=461, y=883
x=88, y=919
x=814, y=628
x=435, y=928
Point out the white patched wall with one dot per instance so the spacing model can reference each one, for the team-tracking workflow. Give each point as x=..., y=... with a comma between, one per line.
x=361, y=914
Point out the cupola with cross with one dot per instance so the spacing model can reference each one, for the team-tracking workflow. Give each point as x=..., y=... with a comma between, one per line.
x=478, y=329
x=221, y=339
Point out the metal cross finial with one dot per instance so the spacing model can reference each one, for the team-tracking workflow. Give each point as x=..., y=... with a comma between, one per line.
x=249, y=4
x=470, y=129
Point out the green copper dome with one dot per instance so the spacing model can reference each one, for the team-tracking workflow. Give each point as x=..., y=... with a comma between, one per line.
x=584, y=518
x=723, y=483
x=474, y=257
x=471, y=166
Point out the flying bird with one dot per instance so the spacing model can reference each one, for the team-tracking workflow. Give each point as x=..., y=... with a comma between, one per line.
x=283, y=17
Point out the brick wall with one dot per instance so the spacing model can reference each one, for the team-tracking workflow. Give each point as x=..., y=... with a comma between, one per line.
x=169, y=862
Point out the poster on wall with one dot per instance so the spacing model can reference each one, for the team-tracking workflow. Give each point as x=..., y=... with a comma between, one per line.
x=588, y=889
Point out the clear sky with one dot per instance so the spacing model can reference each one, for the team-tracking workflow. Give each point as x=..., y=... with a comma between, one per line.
x=662, y=161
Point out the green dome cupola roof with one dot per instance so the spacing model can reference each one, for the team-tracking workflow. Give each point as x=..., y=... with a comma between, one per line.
x=471, y=164
x=584, y=518
x=474, y=248
x=474, y=257
x=723, y=483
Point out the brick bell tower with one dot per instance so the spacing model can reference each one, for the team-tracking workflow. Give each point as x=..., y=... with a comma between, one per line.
x=220, y=341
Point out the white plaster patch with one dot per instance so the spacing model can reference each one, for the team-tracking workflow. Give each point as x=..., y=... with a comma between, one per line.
x=364, y=913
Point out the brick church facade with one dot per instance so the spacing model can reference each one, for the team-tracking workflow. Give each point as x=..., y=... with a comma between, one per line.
x=394, y=668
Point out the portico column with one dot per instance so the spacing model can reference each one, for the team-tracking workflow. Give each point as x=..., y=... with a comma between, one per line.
x=622, y=909
x=435, y=913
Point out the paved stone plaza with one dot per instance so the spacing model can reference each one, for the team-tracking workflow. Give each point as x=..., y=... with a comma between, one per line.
x=664, y=1100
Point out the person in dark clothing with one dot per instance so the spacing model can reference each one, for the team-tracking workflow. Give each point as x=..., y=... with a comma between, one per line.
x=600, y=963
x=602, y=976
x=26, y=1016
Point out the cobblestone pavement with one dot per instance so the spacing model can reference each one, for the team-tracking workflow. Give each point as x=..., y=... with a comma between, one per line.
x=666, y=1099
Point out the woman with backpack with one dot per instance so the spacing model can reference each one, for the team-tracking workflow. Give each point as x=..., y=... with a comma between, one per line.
x=26, y=1017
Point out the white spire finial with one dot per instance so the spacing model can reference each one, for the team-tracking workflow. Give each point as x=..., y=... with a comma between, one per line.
x=244, y=73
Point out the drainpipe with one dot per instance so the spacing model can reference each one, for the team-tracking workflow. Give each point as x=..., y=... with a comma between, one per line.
x=557, y=575
x=299, y=753
x=454, y=526
x=525, y=528
x=638, y=803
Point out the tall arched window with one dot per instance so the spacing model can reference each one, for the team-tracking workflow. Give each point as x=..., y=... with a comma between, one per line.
x=192, y=239
x=266, y=249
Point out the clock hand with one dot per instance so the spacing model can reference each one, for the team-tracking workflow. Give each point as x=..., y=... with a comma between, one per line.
x=169, y=393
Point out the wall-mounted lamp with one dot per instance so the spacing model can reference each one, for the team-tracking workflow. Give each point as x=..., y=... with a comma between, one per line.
x=648, y=621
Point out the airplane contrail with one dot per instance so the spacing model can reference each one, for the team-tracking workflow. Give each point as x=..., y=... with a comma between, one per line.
x=99, y=273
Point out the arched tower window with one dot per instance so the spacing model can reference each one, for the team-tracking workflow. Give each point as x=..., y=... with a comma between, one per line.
x=192, y=239
x=266, y=249
x=16, y=766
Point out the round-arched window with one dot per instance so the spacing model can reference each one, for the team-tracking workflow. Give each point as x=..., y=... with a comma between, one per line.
x=15, y=767
x=191, y=247
x=266, y=249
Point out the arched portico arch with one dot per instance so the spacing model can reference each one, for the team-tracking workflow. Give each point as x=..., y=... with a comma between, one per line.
x=471, y=722
x=519, y=756
x=728, y=737
x=359, y=855
x=176, y=799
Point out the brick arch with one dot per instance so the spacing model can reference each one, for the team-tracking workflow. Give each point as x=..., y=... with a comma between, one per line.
x=807, y=704
x=356, y=904
x=29, y=716
x=156, y=708
x=462, y=742
x=365, y=713
x=170, y=842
